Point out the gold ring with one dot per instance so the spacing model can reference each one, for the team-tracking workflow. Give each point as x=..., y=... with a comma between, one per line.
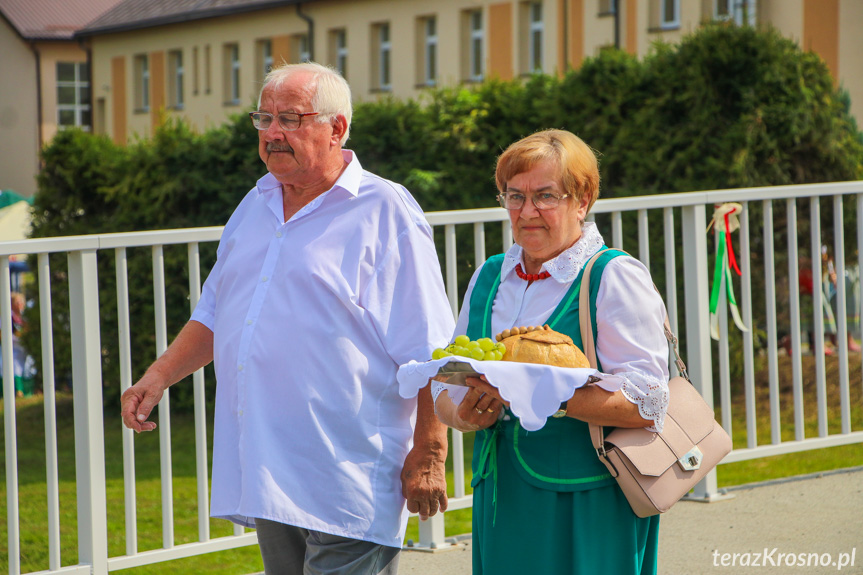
x=478, y=410
x=490, y=410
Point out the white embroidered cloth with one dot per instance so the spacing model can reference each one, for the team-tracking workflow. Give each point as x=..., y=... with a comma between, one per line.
x=534, y=391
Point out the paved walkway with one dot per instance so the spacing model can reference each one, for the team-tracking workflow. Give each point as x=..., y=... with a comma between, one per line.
x=816, y=514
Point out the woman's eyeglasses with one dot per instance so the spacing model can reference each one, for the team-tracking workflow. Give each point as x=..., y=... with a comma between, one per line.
x=542, y=200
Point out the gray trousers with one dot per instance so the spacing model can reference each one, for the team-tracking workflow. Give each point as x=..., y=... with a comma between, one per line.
x=289, y=550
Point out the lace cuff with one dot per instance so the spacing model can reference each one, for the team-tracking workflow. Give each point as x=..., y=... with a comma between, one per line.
x=649, y=393
x=436, y=389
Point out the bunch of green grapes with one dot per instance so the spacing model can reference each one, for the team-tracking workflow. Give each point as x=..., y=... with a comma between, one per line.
x=484, y=348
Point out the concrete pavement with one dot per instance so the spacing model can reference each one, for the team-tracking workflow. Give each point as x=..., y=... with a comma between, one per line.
x=809, y=524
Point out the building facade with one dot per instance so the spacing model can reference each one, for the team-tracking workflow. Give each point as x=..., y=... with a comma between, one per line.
x=44, y=76
x=208, y=62
x=138, y=62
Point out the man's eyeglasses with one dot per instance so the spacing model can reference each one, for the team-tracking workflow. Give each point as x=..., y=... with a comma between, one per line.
x=542, y=200
x=289, y=121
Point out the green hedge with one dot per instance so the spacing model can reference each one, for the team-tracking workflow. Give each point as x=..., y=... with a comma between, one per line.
x=727, y=107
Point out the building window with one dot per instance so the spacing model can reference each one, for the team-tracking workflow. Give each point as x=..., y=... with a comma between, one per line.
x=535, y=37
x=381, y=72
x=669, y=16
x=721, y=9
x=208, y=71
x=73, y=95
x=475, y=37
x=176, y=75
x=264, y=58
x=428, y=56
x=607, y=7
x=195, y=72
x=339, y=51
x=301, y=47
x=232, y=74
x=142, y=83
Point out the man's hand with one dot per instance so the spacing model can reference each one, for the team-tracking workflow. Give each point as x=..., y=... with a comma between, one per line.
x=424, y=482
x=424, y=473
x=191, y=350
x=139, y=400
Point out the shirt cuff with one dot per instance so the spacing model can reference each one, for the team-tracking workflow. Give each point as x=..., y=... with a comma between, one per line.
x=204, y=317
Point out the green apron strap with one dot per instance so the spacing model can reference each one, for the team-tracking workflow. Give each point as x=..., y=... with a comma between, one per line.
x=482, y=298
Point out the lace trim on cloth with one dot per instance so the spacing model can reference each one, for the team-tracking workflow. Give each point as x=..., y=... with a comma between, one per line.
x=566, y=266
x=649, y=393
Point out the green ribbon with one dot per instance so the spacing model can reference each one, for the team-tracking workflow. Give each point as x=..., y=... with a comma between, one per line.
x=722, y=271
x=488, y=465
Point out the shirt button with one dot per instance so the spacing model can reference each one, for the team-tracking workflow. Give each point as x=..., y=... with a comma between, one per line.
x=240, y=413
x=263, y=279
x=240, y=367
x=249, y=322
x=278, y=234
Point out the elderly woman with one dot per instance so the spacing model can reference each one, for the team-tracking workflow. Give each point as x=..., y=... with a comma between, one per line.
x=542, y=501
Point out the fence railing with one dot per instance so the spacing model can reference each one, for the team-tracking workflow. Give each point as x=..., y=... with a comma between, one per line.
x=668, y=234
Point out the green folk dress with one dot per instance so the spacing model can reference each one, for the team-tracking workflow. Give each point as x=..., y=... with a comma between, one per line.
x=542, y=501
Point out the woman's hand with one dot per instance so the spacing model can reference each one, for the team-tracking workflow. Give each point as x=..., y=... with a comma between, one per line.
x=478, y=409
x=481, y=405
x=492, y=394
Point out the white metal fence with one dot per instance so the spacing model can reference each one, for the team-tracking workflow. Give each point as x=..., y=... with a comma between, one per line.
x=674, y=224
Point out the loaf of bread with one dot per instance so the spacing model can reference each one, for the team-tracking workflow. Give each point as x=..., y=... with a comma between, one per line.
x=542, y=345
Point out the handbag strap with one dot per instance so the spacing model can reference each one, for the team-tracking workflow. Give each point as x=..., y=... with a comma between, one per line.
x=597, y=435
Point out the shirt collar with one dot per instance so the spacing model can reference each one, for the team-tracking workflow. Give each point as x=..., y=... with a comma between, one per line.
x=566, y=266
x=349, y=180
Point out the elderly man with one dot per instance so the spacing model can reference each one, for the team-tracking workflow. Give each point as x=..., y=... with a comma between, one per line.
x=326, y=280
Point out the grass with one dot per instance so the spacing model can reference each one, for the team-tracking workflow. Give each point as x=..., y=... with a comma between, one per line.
x=33, y=499
x=802, y=462
x=33, y=504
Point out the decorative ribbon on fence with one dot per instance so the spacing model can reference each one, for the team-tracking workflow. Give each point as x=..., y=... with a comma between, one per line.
x=725, y=221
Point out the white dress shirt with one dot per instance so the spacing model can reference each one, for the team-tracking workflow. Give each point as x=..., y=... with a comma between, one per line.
x=630, y=341
x=311, y=319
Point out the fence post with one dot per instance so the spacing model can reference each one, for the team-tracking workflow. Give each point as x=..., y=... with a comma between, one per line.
x=432, y=532
x=696, y=291
x=13, y=535
x=87, y=390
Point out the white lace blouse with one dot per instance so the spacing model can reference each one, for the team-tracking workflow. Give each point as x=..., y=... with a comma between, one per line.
x=630, y=341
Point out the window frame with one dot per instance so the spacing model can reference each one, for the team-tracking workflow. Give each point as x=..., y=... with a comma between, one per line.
x=208, y=70
x=303, y=48
x=142, y=83
x=430, y=50
x=607, y=7
x=196, y=71
x=265, y=57
x=535, y=28
x=664, y=22
x=80, y=84
x=176, y=76
x=383, y=57
x=232, y=74
x=476, y=46
x=340, y=51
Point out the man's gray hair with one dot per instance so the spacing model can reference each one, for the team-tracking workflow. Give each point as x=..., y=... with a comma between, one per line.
x=332, y=94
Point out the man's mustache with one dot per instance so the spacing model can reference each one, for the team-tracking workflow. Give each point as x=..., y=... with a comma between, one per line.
x=279, y=147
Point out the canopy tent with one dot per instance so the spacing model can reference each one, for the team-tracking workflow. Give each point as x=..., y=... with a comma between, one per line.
x=15, y=225
x=14, y=216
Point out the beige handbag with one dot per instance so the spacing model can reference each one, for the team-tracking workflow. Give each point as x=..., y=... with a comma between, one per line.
x=655, y=470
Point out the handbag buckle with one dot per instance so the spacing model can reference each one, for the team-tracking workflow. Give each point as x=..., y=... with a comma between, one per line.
x=600, y=451
x=692, y=460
